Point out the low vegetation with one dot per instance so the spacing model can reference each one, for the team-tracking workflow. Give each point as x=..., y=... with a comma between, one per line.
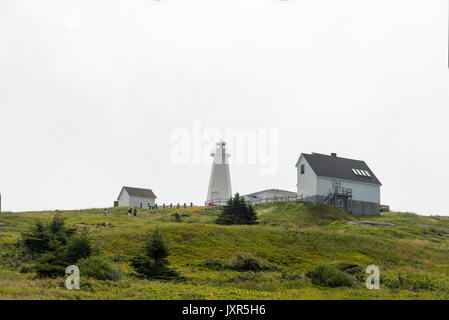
x=328, y=276
x=294, y=252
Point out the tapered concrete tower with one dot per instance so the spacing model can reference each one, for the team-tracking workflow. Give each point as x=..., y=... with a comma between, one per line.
x=220, y=179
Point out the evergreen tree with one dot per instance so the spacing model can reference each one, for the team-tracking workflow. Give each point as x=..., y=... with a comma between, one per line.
x=157, y=249
x=154, y=264
x=54, y=246
x=236, y=211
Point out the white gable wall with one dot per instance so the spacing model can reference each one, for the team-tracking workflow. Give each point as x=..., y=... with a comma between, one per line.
x=123, y=199
x=307, y=182
x=360, y=191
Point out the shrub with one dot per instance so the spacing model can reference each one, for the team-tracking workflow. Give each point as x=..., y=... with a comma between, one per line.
x=413, y=281
x=43, y=238
x=236, y=211
x=247, y=262
x=99, y=268
x=79, y=247
x=51, y=264
x=327, y=276
x=145, y=268
x=121, y=258
x=55, y=246
x=246, y=276
x=26, y=268
x=214, y=264
x=157, y=249
x=291, y=275
x=242, y=262
x=154, y=264
x=12, y=256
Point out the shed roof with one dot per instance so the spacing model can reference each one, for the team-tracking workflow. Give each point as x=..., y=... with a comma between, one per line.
x=139, y=192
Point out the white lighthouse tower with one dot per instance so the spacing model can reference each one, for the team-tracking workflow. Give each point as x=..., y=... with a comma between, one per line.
x=220, y=179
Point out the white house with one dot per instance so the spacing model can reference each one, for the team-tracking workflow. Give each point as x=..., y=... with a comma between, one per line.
x=270, y=195
x=346, y=183
x=136, y=198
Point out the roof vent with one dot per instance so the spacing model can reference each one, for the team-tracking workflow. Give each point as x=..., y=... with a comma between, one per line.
x=333, y=154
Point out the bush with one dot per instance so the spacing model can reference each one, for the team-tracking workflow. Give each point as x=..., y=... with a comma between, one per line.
x=247, y=262
x=413, y=281
x=157, y=249
x=26, y=268
x=214, y=264
x=78, y=248
x=327, y=276
x=54, y=246
x=246, y=276
x=99, y=268
x=291, y=275
x=242, y=262
x=43, y=238
x=12, y=256
x=146, y=268
x=154, y=264
x=51, y=264
x=236, y=211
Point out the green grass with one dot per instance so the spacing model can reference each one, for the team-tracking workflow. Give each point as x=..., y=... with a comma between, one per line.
x=293, y=237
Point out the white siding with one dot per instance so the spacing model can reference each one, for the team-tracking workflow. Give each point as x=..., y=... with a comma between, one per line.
x=136, y=201
x=307, y=182
x=130, y=201
x=360, y=191
x=123, y=200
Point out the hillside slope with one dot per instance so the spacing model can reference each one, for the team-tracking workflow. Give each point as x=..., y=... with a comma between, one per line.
x=412, y=254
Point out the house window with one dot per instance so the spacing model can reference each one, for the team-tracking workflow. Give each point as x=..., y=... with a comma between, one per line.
x=141, y=205
x=303, y=169
x=340, y=203
x=337, y=184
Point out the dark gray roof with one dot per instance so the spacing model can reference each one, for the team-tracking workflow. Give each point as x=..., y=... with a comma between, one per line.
x=339, y=168
x=138, y=192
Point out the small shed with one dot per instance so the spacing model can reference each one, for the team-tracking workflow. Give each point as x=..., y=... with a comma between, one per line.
x=136, y=198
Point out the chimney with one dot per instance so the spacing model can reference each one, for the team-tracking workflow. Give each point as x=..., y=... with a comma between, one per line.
x=333, y=154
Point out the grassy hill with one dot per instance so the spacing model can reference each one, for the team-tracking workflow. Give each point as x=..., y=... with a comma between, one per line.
x=412, y=254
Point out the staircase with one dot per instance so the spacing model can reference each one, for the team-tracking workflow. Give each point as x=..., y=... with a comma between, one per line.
x=345, y=193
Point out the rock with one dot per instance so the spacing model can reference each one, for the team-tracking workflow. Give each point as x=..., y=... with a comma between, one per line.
x=371, y=224
x=105, y=224
x=353, y=270
x=1, y=224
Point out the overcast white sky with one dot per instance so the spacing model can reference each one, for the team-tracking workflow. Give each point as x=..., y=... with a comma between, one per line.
x=91, y=92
